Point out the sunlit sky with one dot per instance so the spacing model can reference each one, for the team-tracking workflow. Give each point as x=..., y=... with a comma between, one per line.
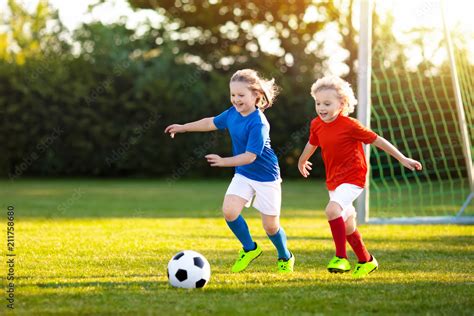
x=408, y=14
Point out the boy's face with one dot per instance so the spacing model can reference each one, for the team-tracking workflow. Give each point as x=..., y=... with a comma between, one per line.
x=328, y=105
x=242, y=97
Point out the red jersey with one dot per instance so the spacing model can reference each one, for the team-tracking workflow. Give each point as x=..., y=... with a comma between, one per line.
x=341, y=146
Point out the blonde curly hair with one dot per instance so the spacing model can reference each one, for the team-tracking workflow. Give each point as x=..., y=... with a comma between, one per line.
x=266, y=89
x=341, y=87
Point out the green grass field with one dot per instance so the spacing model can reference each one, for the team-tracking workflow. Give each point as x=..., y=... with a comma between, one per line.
x=100, y=247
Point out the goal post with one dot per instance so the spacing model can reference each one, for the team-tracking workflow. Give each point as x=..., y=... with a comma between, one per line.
x=421, y=111
x=363, y=94
x=459, y=103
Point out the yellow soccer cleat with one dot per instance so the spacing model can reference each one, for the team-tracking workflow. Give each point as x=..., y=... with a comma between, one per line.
x=245, y=257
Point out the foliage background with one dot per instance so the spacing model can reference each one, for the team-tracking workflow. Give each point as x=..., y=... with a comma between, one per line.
x=95, y=101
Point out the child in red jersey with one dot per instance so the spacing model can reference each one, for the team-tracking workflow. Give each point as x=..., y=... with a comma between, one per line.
x=340, y=138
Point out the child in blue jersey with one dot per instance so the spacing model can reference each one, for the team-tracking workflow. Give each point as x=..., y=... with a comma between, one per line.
x=256, y=166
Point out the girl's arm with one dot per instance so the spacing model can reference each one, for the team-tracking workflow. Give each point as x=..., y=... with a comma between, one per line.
x=204, y=125
x=235, y=161
x=303, y=164
x=386, y=146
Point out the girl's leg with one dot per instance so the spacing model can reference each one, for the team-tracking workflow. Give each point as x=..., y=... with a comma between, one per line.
x=338, y=228
x=271, y=225
x=232, y=208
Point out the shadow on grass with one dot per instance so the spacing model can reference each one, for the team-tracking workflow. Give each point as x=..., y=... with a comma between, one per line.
x=106, y=284
x=278, y=296
x=80, y=198
x=443, y=240
x=82, y=213
x=410, y=281
x=407, y=261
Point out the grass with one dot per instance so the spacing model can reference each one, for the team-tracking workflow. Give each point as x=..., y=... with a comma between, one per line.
x=431, y=198
x=100, y=247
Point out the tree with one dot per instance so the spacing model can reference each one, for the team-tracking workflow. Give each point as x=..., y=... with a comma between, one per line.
x=226, y=32
x=28, y=35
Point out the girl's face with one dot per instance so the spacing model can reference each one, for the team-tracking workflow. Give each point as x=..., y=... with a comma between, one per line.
x=242, y=97
x=328, y=105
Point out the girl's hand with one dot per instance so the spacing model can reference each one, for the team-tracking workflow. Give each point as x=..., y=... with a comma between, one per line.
x=174, y=129
x=411, y=164
x=215, y=160
x=304, y=168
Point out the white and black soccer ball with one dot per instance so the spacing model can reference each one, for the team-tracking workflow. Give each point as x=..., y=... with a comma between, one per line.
x=188, y=269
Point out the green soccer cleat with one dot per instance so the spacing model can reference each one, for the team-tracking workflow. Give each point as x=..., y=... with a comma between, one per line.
x=339, y=265
x=245, y=258
x=363, y=269
x=286, y=265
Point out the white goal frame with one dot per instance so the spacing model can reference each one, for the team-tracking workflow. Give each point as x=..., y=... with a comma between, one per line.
x=363, y=115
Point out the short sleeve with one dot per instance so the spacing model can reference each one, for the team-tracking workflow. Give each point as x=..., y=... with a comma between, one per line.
x=257, y=135
x=313, y=137
x=220, y=121
x=362, y=133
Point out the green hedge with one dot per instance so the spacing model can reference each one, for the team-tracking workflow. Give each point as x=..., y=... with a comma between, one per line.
x=103, y=113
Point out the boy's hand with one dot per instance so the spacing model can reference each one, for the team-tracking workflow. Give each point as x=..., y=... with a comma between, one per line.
x=411, y=164
x=215, y=160
x=304, y=168
x=174, y=129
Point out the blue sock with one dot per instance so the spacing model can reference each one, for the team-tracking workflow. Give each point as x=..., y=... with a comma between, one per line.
x=241, y=231
x=279, y=240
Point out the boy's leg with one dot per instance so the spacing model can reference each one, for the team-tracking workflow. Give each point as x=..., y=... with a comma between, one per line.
x=344, y=196
x=339, y=263
x=337, y=214
x=366, y=262
x=338, y=228
x=355, y=240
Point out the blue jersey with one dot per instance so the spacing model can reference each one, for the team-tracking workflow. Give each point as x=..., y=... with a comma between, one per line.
x=251, y=133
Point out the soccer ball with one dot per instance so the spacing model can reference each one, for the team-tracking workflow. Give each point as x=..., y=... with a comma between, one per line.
x=188, y=269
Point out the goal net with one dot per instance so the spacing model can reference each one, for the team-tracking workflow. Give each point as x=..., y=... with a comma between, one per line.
x=415, y=104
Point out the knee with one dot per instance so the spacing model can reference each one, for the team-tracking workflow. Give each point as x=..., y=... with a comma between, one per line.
x=333, y=210
x=230, y=214
x=350, y=226
x=271, y=228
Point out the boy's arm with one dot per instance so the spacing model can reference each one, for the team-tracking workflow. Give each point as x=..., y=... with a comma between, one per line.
x=308, y=151
x=303, y=164
x=386, y=146
x=234, y=161
x=204, y=125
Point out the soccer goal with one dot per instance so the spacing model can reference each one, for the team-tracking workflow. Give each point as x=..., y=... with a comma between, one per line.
x=418, y=93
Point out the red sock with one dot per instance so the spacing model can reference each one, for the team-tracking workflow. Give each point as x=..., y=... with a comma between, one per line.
x=338, y=230
x=355, y=240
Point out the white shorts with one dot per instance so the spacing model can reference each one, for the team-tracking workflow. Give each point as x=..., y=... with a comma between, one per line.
x=344, y=195
x=267, y=194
